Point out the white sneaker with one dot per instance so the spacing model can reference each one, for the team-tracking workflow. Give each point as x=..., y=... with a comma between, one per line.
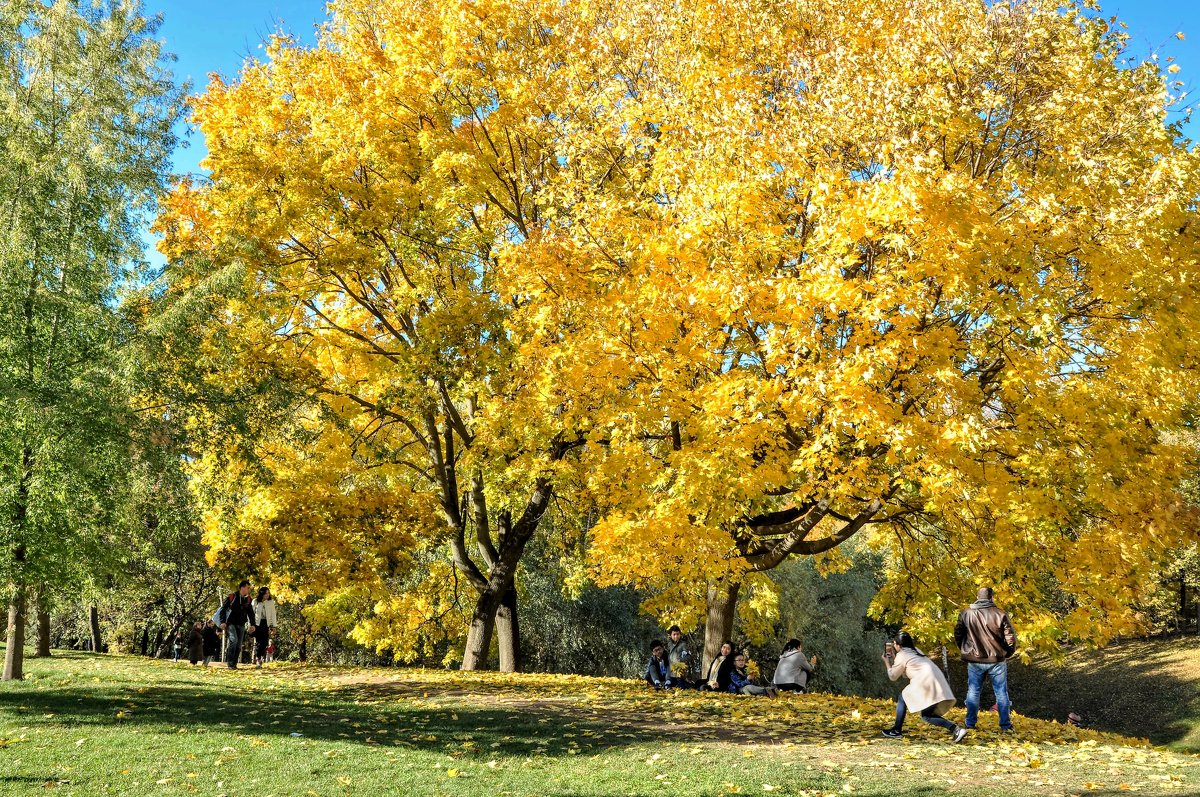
x=959, y=734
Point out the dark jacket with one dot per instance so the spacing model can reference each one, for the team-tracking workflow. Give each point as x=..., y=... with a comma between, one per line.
x=212, y=642
x=236, y=610
x=737, y=679
x=984, y=634
x=195, y=644
x=657, y=674
x=723, y=665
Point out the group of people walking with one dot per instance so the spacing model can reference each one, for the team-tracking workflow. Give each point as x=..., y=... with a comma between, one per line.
x=238, y=618
x=984, y=635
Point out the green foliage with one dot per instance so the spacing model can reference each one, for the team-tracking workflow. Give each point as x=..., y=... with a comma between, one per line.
x=598, y=631
x=86, y=109
x=828, y=614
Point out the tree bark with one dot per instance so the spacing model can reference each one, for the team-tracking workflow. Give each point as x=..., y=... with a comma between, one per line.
x=14, y=654
x=483, y=623
x=718, y=626
x=508, y=632
x=512, y=539
x=94, y=621
x=43, y=626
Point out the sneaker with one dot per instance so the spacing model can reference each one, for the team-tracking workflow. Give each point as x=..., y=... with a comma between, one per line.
x=959, y=734
x=892, y=733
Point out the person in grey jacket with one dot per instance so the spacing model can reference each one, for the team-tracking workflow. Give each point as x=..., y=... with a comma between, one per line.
x=791, y=674
x=679, y=657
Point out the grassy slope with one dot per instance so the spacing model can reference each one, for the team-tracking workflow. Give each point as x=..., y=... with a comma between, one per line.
x=107, y=725
x=1145, y=689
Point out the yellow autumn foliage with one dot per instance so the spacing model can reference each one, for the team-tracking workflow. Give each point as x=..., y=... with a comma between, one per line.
x=748, y=278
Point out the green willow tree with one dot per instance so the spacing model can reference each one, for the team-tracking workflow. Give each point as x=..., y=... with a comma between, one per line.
x=86, y=111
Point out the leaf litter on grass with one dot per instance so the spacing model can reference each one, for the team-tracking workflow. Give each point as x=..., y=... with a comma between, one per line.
x=552, y=718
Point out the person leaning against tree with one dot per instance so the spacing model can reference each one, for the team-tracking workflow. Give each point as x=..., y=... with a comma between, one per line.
x=718, y=677
x=986, y=640
x=236, y=614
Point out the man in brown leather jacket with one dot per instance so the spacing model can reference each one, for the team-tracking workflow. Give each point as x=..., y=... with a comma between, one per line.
x=986, y=640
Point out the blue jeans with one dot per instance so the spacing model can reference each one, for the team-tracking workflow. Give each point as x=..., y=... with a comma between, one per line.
x=234, y=636
x=998, y=674
x=926, y=714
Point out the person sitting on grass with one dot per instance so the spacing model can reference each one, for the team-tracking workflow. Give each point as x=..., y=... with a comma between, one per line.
x=740, y=682
x=794, y=668
x=717, y=679
x=928, y=691
x=657, y=673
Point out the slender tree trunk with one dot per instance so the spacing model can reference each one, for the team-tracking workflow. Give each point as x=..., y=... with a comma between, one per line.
x=718, y=626
x=43, y=625
x=508, y=632
x=302, y=649
x=14, y=654
x=94, y=621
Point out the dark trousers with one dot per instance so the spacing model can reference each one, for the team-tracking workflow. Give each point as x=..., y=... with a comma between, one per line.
x=234, y=636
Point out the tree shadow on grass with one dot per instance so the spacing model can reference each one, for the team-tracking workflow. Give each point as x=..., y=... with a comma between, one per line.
x=462, y=729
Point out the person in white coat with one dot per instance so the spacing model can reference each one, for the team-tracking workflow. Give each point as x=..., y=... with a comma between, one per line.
x=265, y=620
x=928, y=691
x=791, y=674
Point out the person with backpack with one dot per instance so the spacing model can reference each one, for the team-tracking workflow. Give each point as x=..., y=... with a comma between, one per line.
x=236, y=613
x=928, y=691
x=986, y=641
x=265, y=620
x=794, y=668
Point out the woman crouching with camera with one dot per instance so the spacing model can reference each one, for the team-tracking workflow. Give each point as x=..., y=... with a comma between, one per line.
x=928, y=691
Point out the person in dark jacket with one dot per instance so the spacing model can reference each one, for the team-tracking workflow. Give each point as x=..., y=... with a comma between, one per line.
x=986, y=641
x=740, y=682
x=212, y=642
x=719, y=669
x=236, y=615
x=657, y=672
x=196, y=642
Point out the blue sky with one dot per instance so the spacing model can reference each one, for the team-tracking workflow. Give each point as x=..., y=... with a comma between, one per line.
x=217, y=35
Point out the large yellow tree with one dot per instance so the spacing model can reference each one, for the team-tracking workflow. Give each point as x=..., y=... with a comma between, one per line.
x=926, y=269
x=752, y=278
x=361, y=193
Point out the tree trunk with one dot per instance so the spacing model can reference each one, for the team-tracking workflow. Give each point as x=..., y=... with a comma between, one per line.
x=302, y=649
x=43, y=626
x=501, y=579
x=508, y=632
x=718, y=626
x=14, y=654
x=483, y=622
x=94, y=621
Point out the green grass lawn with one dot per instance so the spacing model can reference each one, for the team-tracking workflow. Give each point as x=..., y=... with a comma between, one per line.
x=1149, y=689
x=94, y=725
